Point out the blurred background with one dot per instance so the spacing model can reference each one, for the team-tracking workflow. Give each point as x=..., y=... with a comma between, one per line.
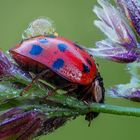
x=74, y=20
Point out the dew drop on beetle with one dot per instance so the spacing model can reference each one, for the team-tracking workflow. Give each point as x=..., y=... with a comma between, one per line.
x=40, y=26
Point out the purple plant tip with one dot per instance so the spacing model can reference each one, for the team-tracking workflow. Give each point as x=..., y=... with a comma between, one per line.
x=7, y=68
x=127, y=57
x=134, y=96
x=131, y=9
x=10, y=113
x=123, y=91
x=112, y=51
x=121, y=44
x=16, y=124
x=114, y=25
x=5, y=65
x=20, y=125
x=131, y=90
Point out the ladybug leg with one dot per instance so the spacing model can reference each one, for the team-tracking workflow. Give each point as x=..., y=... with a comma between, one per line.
x=73, y=88
x=33, y=81
x=90, y=115
x=69, y=87
x=51, y=93
x=85, y=93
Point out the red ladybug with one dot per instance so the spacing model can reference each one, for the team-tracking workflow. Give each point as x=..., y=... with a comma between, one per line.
x=68, y=65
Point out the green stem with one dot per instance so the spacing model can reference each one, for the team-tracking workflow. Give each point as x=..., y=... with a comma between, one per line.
x=96, y=107
x=73, y=104
x=117, y=110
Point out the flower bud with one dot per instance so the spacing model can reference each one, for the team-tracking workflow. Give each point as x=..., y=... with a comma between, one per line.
x=131, y=9
x=121, y=44
x=23, y=125
x=5, y=65
x=131, y=90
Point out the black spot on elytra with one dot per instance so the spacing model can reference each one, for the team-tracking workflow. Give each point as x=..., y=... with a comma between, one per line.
x=89, y=62
x=85, y=68
x=55, y=52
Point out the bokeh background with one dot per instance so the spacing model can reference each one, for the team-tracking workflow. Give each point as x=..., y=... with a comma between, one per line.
x=73, y=20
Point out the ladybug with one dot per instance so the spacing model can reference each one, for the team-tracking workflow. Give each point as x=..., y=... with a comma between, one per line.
x=66, y=64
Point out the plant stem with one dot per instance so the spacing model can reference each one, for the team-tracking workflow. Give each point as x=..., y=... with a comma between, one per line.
x=96, y=107
x=117, y=110
x=73, y=104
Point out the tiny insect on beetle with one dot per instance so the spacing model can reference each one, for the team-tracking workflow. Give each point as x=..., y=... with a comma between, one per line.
x=64, y=64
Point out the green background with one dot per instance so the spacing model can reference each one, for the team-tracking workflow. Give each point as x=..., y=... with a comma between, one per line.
x=73, y=20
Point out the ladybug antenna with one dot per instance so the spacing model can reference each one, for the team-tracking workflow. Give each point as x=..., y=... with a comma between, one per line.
x=40, y=26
